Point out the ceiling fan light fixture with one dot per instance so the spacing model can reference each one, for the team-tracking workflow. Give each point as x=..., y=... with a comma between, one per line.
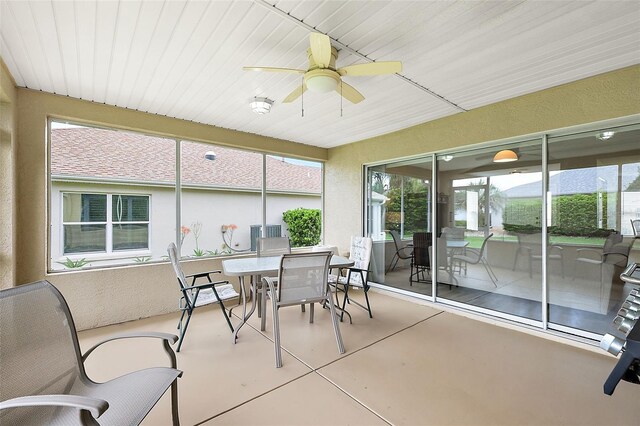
x=447, y=158
x=505, y=156
x=321, y=80
x=606, y=135
x=261, y=105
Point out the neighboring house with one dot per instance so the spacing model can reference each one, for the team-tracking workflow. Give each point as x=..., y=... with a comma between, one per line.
x=592, y=180
x=113, y=195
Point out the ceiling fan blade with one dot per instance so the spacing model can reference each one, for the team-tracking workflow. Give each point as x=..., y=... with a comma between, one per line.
x=273, y=69
x=320, y=49
x=295, y=94
x=349, y=93
x=373, y=68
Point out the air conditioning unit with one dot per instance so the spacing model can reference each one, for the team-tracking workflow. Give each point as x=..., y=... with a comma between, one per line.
x=256, y=231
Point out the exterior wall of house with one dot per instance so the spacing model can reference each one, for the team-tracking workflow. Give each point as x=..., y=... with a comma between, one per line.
x=602, y=97
x=8, y=203
x=210, y=208
x=106, y=296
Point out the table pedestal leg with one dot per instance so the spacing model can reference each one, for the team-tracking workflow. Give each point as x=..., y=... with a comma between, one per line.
x=245, y=315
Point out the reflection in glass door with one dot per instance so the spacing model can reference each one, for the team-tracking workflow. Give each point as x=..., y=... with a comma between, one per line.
x=489, y=231
x=399, y=207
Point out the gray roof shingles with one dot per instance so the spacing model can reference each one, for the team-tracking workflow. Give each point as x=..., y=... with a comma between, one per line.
x=111, y=154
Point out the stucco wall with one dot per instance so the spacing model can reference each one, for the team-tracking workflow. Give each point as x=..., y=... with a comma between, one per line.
x=8, y=150
x=101, y=297
x=606, y=96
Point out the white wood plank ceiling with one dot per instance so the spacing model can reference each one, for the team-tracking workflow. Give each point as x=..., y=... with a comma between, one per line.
x=184, y=58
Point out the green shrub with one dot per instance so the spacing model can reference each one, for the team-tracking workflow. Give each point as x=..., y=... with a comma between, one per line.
x=304, y=225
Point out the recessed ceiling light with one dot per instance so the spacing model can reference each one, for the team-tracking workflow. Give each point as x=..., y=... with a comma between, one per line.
x=603, y=136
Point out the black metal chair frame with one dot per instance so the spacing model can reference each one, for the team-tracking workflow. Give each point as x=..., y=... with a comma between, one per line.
x=401, y=251
x=420, y=257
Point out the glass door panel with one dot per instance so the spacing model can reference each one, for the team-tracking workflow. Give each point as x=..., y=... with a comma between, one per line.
x=594, y=193
x=489, y=244
x=398, y=207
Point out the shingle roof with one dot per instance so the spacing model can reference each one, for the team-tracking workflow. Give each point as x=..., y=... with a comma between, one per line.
x=98, y=153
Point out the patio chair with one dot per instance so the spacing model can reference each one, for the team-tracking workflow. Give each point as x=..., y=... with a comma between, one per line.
x=530, y=245
x=420, y=262
x=443, y=260
x=635, y=226
x=43, y=380
x=302, y=278
x=355, y=276
x=196, y=295
x=614, y=254
x=473, y=256
x=267, y=247
x=403, y=250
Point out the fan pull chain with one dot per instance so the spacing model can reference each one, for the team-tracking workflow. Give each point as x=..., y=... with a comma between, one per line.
x=340, y=97
x=302, y=97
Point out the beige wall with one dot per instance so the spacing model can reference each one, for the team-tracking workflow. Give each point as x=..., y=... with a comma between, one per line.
x=103, y=297
x=606, y=96
x=8, y=152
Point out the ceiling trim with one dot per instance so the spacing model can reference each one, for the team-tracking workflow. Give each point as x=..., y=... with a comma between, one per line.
x=352, y=51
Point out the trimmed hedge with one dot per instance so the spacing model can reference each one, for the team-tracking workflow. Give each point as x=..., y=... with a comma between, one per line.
x=305, y=226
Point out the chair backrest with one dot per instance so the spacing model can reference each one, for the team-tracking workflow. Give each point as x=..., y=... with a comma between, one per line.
x=484, y=245
x=421, y=244
x=397, y=241
x=453, y=234
x=273, y=246
x=360, y=254
x=190, y=295
x=39, y=352
x=617, y=249
x=613, y=239
x=303, y=277
x=635, y=225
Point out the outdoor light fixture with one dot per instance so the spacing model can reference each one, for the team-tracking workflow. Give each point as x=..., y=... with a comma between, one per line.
x=505, y=156
x=261, y=105
x=447, y=158
x=210, y=155
x=606, y=135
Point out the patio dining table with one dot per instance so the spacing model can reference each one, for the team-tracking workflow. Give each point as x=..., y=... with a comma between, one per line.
x=256, y=266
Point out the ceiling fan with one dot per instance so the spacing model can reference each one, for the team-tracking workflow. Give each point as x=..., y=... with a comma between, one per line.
x=322, y=75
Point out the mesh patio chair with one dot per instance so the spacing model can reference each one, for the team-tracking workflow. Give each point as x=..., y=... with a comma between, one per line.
x=420, y=261
x=443, y=260
x=635, y=226
x=302, y=278
x=355, y=276
x=473, y=256
x=614, y=254
x=43, y=380
x=267, y=247
x=403, y=250
x=530, y=245
x=196, y=295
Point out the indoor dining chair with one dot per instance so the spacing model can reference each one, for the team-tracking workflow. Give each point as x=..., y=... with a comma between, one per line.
x=302, y=278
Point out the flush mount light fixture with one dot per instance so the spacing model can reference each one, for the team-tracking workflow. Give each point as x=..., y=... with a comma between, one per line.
x=261, y=105
x=505, y=156
x=210, y=155
x=606, y=135
x=447, y=158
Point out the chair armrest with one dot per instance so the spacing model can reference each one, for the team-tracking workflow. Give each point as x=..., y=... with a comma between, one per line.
x=94, y=405
x=166, y=337
x=353, y=268
x=202, y=274
x=205, y=285
x=271, y=283
x=556, y=247
x=587, y=251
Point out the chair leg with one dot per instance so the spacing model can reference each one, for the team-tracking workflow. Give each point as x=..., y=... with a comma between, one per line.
x=183, y=330
x=302, y=308
x=392, y=265
x=174, y=403
x=276, y=334
x=366, y=297
x=344, y=301
x=263, y=298
x=336, y=327
x=310, y=313
x=224, y=310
